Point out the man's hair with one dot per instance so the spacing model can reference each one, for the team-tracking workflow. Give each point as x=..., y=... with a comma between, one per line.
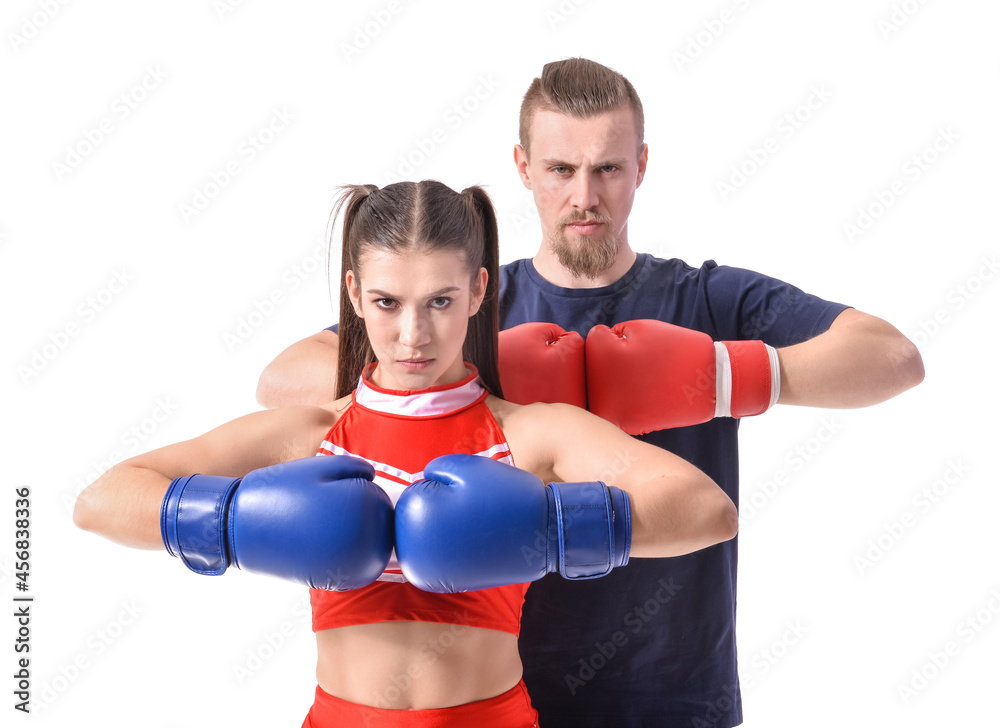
x=581, y=88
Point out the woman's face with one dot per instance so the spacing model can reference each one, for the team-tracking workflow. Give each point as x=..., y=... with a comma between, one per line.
x=416, y=307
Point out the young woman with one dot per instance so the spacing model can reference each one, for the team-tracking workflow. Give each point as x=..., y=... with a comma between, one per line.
x=424, y=455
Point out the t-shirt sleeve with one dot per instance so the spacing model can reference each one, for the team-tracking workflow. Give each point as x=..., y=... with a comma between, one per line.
x=745, y=304
x=335, y=329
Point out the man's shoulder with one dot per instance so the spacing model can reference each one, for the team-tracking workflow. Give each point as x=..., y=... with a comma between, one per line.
x=675, y=264
x=513, y=275
x=511, y=268
x=508, y=271
x=673, y=273
x=708, y=272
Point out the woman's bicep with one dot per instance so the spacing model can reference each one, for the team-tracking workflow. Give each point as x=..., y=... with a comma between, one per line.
x=676, y=508
x=247, y=443
x=585, y=447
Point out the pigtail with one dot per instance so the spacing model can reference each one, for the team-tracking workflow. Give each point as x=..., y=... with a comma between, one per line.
x=481, y=342
x=354, y=351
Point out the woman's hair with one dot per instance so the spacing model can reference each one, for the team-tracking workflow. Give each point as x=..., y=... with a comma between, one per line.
x=425, y=215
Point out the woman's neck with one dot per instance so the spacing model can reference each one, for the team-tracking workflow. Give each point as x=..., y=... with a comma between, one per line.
x=457, y=372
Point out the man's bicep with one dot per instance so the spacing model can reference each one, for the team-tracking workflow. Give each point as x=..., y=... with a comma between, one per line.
x=304, y=373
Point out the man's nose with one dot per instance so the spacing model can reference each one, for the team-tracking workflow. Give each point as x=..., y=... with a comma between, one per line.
x=584, y=193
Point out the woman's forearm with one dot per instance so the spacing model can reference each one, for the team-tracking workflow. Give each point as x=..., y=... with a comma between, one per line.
x=123, y=505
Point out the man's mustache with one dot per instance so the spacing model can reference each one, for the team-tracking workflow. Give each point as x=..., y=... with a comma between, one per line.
x=584, y=217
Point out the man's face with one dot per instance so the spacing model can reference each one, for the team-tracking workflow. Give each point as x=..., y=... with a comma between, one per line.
x=583, y=174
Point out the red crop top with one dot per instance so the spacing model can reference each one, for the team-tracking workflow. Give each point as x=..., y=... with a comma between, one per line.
x=399, y=432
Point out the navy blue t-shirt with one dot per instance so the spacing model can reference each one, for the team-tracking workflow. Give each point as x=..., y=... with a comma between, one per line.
x=653, y=643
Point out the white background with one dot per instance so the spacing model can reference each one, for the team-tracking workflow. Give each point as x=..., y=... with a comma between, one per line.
x=119, y=310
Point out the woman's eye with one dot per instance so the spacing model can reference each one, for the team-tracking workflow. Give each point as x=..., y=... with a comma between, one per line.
x=384, y=302
x=440, y=302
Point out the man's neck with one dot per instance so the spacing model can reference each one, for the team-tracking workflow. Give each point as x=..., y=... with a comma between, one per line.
x=548, y=267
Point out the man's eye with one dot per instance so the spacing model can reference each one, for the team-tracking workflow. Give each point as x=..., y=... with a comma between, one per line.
x=609, y=168
x=561, y=170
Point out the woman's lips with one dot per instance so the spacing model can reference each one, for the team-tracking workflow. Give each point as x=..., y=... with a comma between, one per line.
x=415, y=364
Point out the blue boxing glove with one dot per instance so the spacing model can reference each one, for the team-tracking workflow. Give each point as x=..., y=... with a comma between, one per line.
x=318, y=521
x=475, y=523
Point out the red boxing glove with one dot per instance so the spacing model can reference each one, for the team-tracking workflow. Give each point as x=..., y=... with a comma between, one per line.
x=649, y=375
x=542, y=363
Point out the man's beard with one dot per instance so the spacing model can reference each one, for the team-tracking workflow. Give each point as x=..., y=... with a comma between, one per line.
x=589, y=255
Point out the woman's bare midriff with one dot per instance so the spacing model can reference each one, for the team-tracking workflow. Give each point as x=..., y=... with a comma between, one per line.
x=416, y=665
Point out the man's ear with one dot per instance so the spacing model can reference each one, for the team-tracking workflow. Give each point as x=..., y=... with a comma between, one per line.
x=353, y=284
x=643, y=159
x=521, y=162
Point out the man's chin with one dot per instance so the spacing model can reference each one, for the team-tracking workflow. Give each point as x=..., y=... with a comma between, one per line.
x=586, y=256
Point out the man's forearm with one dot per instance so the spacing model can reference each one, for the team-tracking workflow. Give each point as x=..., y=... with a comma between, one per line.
x=860, y=361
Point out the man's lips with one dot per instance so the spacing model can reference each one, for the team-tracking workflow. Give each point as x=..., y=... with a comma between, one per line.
x=584, y=227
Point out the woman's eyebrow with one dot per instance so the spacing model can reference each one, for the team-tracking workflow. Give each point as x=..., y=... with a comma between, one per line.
x=384, y=294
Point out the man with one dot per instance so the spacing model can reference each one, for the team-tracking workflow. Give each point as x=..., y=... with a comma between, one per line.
x=652, y=643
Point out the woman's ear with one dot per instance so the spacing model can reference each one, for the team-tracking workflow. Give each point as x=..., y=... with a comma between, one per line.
x=354, y=291
x=478, y=291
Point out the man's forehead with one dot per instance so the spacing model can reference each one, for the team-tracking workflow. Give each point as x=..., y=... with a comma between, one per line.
x=609, y=134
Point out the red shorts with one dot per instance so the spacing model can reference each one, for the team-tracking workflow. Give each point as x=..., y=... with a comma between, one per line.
x=509, y=710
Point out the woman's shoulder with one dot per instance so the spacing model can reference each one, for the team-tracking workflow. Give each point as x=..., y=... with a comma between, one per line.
x=508, y=414
x=327, y=415
x=537, y=433
x=334, y=410
x=309, y=415
x=305, y=426
x=537, y=414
